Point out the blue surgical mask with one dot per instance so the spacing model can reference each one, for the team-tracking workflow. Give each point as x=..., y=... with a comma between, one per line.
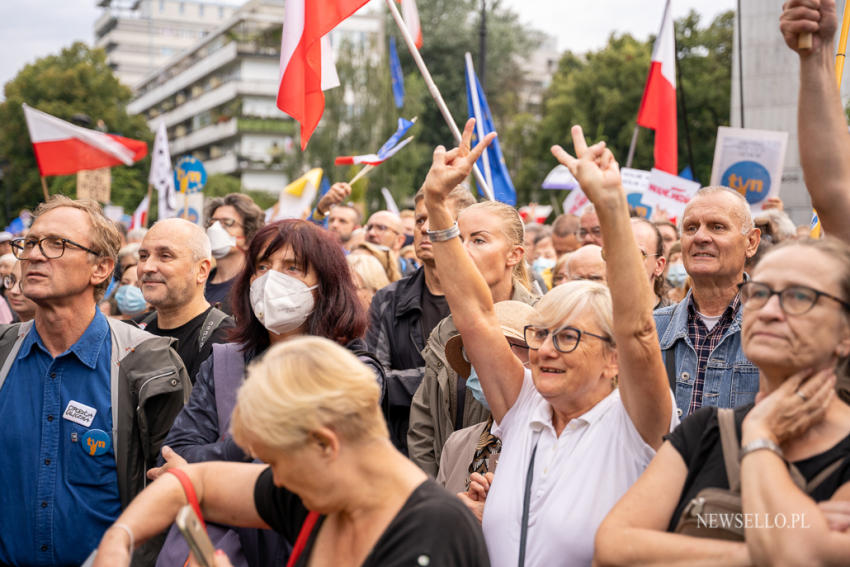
x=474, y=386
x=542, y=264
x=677, y=275
x=130, y=300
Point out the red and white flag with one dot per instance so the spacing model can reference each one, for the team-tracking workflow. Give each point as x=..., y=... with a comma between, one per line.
x=62, y=148
x=411, y=19
x=306, y=59
x=140, y=216
x=658, y=106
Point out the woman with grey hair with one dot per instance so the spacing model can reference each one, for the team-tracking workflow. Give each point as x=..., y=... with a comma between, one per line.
x=582, y=423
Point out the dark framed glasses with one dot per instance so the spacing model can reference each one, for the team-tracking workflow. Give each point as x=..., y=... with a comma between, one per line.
x=51, y=247
x=794, y=300
x=10, y=281
x=226, y=223
x=565, y=339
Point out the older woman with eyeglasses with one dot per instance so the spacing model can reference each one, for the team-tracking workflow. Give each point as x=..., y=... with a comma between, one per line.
x=796, y=329
x=580, y=425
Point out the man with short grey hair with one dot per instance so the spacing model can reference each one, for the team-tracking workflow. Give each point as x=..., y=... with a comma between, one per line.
x=700, y=336
x=174, y=264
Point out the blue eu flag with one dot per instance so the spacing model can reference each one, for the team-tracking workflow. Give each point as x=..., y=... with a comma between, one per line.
x=491, y=162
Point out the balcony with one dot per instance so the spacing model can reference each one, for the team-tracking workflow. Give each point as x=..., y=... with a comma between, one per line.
x=204, y=137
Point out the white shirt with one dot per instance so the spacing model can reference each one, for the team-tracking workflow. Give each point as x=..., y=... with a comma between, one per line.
x=578, y=477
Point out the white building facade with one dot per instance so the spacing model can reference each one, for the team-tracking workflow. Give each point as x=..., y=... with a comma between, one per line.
x=218, y=99
x=140, y=36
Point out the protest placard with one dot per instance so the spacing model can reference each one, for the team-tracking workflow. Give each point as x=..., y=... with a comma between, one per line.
x=669, y=192
x=94, y=184
x=575, y=202
x=750, y=162
x=635, y=183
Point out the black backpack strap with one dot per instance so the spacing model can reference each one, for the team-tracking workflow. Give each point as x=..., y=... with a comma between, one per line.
x=213, y=320
x=670, y=367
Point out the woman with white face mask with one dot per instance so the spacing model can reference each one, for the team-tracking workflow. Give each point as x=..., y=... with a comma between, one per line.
x=296, y=282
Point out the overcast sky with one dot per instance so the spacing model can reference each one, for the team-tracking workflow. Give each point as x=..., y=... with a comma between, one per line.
x=30, y=29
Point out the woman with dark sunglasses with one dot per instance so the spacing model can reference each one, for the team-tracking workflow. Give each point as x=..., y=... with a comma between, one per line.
x=582, y=423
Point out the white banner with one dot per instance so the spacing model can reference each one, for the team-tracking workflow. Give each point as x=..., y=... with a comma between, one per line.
x=750, y=162
x=669, y=192
x=575, y=202
x=191, y=207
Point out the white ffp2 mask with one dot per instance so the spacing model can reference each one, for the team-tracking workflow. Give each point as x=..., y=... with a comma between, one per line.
x=221, y=241
x=281, y=303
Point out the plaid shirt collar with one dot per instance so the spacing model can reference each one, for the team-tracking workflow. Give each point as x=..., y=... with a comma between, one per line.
x=705, y=342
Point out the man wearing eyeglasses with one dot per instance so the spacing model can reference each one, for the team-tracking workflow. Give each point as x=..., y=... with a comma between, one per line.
x=386, y=229
x=700, y=336
x=589, y=231
x=87, y=400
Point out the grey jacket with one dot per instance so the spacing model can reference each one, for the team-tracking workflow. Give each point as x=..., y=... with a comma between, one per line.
x=433, y=410
x=149, y=387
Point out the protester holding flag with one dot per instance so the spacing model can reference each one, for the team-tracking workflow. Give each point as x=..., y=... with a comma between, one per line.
x=595, y=403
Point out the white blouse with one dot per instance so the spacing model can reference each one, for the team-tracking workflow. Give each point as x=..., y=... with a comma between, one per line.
x=578, y=477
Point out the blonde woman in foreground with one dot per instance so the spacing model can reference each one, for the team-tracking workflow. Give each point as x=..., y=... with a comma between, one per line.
x=310, y=410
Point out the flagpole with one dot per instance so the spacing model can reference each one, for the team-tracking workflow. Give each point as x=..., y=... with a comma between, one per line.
x=150, y=194
x=44, y=188
x=680, y=91
x=361, y=174
x=479, y=121
x=842, y=47
x=631, y=155
x=435, y=92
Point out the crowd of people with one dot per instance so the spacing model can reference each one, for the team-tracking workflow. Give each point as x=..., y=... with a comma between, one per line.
x=448, y=386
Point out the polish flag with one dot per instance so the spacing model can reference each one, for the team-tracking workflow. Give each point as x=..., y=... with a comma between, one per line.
x=411, y=19
x=306, y=59
x=388, y=150
x=658, y=106
x=62, y=148
x=140, y=216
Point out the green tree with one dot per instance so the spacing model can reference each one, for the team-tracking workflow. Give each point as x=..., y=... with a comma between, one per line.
x=77, y=81
x=602, y=91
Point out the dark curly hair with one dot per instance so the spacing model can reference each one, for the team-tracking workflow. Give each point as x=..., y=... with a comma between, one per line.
x=338, y=314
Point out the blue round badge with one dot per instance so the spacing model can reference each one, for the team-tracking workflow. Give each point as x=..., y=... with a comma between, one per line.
x=96, y=442
x=749, y=178
x=190, y=176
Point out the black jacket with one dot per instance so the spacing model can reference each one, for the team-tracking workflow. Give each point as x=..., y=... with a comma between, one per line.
x=395, y=337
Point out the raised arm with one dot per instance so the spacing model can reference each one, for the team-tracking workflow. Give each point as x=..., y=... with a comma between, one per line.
x=821, y=125
x=469, y=298
x=225, y=492
x=643, y=380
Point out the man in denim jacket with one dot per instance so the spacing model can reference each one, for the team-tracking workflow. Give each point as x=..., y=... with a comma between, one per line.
x=700, y=336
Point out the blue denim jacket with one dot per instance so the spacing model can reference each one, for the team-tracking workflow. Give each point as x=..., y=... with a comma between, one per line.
x=731, y=380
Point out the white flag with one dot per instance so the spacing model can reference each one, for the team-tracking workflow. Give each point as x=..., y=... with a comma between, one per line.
x=162, y=176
